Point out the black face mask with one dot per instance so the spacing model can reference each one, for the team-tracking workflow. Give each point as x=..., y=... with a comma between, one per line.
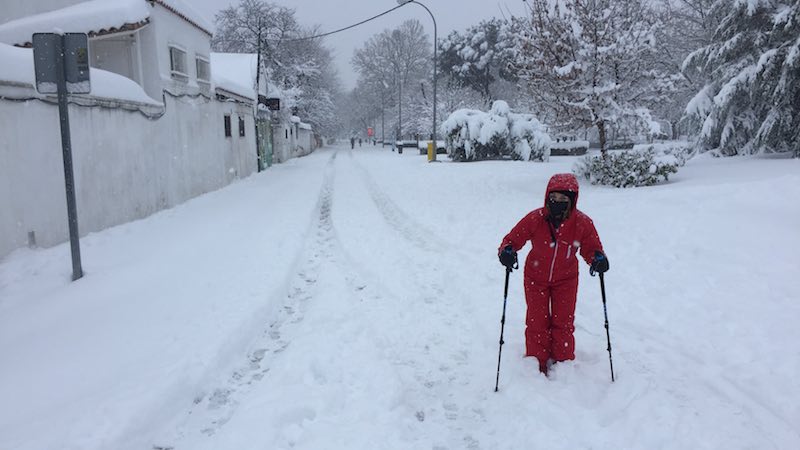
x=558, y=210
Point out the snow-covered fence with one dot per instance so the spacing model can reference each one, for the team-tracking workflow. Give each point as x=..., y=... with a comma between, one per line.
x=569, y=148
x=645, y=165
x=132, y=155
x=473, y=135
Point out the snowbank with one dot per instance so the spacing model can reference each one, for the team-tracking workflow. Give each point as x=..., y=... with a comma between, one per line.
x=18, y=69
x=95, y=15
x=475, y=135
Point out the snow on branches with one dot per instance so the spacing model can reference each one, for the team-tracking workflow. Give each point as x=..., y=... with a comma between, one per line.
x=474, y=135
x=751, y=103
x=588, y=63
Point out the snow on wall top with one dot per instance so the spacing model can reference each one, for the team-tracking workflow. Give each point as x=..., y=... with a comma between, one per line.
x=235, y=72
x=18, y=68
x=94, y=16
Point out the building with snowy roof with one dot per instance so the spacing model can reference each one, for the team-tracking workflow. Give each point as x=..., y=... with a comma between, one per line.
x=159, y=44
x=153, y=133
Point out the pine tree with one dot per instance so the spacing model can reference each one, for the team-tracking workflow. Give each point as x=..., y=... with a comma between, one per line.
x=752, y=103
x=478, y=57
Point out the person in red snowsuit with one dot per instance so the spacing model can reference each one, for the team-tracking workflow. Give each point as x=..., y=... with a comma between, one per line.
x=557, y=232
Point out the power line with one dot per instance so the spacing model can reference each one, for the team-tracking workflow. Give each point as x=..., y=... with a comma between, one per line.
x=342, y=29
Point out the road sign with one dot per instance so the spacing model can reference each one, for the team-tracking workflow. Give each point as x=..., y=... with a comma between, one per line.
x=273, y=104
x=47, y=47
x=61, y=63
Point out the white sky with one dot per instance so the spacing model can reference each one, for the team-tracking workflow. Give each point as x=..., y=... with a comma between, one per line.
x=333, y=14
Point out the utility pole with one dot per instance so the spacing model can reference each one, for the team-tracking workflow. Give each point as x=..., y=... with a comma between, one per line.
x=259, y=163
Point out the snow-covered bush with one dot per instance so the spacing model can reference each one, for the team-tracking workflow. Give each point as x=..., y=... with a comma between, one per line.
x=474, y=135
x=644, y=166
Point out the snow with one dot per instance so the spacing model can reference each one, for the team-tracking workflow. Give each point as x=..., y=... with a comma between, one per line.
x=236, y=73
x=186, y=10
x=18, y=68
x=360, y=309
x=570, y=145
x=523, y=133
x=83, y=17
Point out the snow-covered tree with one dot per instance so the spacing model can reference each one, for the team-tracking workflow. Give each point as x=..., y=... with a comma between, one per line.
x=302, y=70
x=585, y=62
x=474, y=135
x=478, y=57
x=752, y=102
x=687, y=26
x=397, y=65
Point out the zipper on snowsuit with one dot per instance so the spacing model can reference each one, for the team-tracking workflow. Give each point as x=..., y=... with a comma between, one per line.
x=555, y=250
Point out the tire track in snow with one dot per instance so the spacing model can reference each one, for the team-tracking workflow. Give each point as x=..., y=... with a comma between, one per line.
x=211, y=410
x=398, y=219
x=433, y=381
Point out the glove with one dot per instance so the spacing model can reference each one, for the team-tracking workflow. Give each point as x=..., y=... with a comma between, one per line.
x=508, y=257
x=599, y=263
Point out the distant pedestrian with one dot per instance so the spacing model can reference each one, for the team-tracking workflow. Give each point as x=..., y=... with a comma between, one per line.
x=359, y=142
x=352, y=142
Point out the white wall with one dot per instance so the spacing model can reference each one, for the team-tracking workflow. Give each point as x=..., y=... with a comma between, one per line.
x=126, y=166
x=168, y=29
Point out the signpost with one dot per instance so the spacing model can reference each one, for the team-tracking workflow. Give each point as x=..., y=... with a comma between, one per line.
x=61, y=63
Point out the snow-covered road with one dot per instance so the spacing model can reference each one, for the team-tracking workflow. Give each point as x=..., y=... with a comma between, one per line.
x=351, y=299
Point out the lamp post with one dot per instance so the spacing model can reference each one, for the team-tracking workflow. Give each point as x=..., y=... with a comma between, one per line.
x=383, y=109
x=435, y=70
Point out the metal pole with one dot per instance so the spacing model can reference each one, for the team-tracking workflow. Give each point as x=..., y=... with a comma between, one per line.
x=400, y=110
x=66, y=148
x=605, y=313
x=383, y=120
x=435, y=75
x=259, y=163
x=502, y=328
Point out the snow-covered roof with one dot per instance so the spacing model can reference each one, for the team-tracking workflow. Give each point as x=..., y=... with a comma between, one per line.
x=95, y=17
x=183, y=10
x=236, y=73
x=17, y=68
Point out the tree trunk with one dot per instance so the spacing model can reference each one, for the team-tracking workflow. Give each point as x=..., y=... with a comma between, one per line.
x=601, y=131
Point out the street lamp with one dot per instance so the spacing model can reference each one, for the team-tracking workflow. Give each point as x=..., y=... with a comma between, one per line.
x=435, y=70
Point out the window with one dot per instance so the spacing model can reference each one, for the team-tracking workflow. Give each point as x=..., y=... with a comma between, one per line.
x=227, y=125
x=203, y=70
x=241, y=126
x=177, y=63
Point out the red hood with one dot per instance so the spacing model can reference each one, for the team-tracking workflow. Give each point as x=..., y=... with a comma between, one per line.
x=562, y=182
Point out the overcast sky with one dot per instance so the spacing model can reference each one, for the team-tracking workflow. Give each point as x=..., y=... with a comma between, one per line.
x=333, y=14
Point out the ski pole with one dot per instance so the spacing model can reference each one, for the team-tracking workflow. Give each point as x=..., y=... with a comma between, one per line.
x=605, y=312
x=502, y=327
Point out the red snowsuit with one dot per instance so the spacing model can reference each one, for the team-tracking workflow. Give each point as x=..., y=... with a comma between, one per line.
x=551, y=273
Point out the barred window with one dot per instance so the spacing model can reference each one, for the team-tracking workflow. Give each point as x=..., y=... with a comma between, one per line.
x=203, y=70
x=227, y=125
x=177, y=63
